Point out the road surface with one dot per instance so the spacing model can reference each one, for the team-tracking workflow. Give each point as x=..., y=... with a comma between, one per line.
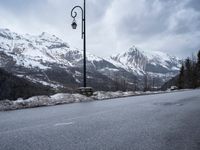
x=154, y=122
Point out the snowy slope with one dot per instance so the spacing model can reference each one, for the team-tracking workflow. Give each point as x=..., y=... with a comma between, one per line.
x=132, y=61
x=167, y=61
x=34, y=51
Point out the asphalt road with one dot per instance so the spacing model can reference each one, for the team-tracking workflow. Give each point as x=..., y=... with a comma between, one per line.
x=154, y=122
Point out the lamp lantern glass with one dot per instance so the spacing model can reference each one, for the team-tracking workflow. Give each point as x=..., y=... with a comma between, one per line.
x=74, y=25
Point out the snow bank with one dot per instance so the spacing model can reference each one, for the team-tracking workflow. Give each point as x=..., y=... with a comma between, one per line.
x=64, y=98
x=101, y=95
x=38, y=101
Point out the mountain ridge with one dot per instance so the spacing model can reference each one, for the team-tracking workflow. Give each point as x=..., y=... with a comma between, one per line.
x=37, y=58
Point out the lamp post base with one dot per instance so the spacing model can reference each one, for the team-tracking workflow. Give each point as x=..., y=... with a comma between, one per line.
x=87, y=91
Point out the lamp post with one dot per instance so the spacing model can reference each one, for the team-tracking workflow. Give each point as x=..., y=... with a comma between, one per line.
x=83, y=36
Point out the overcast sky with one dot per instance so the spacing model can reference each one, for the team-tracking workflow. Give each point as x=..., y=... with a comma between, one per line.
x=172, y=26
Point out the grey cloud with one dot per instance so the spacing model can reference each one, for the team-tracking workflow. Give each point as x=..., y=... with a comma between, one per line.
x=159, y=24
x=20, y=6
x=151, y=21
x=186, y=22
x=195, y=4
x=97, y=9
x=172, y=25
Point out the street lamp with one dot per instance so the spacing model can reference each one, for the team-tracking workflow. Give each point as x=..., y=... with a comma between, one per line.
x=85, y=90
x=74, y=25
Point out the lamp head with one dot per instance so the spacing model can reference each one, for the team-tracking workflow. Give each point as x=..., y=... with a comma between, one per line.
x=74, y=25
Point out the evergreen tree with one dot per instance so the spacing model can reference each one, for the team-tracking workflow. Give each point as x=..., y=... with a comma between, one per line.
x=181, y=79
x=188, y=74
x=198, y=57
x=146, y=87
x=198, y=68
x=194, y=77
x=188, y=64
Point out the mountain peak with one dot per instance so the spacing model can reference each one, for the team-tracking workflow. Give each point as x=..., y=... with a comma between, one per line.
x=7, y=34
x=152, y=61
x=133, y=51
x=4, y=29
x=46, y=35
x=133, y=48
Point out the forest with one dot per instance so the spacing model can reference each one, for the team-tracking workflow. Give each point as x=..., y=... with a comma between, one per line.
x=189, y=76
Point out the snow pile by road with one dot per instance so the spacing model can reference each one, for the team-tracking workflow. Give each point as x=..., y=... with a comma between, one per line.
x=38, y=101
x=101, y=95
x=63, y=98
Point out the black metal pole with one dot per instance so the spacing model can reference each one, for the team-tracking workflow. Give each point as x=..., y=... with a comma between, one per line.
x=74, y=14
x=84, y=46
x=84, y=90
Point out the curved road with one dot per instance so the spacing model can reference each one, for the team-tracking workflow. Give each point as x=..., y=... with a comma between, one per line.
x=154, y=122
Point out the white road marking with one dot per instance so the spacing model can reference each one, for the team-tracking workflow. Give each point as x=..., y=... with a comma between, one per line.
x=64, y=124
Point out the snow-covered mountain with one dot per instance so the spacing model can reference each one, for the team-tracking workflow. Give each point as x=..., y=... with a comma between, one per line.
x=39, y=51
x=51, y=61
x=141, y=62
x=48, y=60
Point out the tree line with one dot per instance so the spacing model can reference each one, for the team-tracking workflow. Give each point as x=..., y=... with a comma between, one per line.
x=189, y=76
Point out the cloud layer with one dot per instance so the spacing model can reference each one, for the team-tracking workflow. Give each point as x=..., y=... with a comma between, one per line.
x=113, y=26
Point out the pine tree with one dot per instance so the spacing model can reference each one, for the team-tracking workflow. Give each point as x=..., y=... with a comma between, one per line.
x=188, y=75
x=145, y=82
x=181, y=79
x=194, y=77
x=198, y=68
x=198, y=57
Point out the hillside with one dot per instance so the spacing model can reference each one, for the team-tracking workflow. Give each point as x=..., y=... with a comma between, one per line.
x=12, y=87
